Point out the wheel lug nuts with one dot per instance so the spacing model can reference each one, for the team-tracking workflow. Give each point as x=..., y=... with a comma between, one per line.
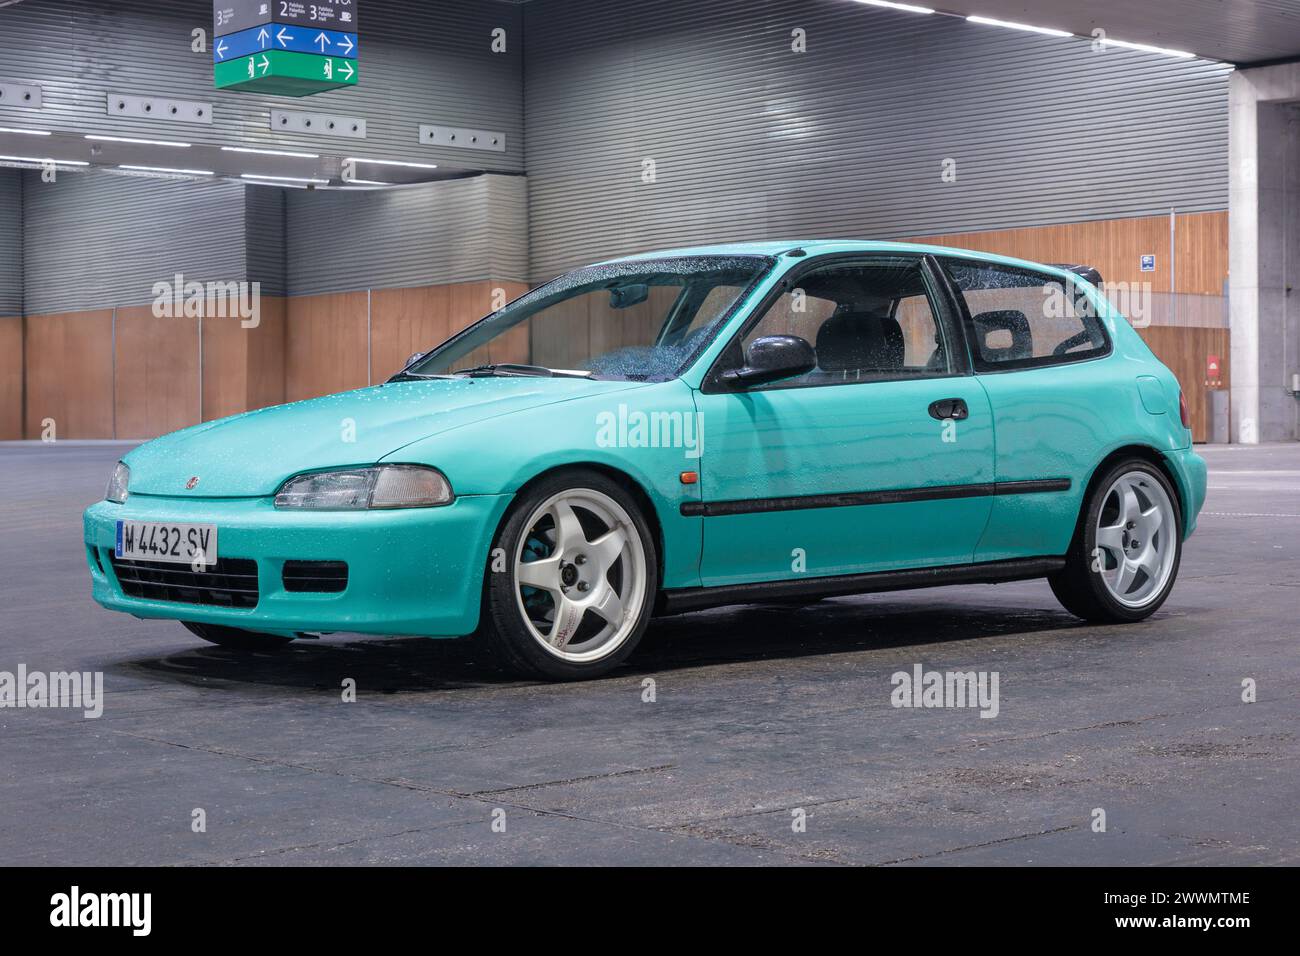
x=582, y=585
x=580, y=559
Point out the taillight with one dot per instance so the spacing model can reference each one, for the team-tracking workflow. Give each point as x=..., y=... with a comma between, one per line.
x=1183, y=413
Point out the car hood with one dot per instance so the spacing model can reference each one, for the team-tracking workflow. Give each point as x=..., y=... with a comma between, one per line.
x=251, y=455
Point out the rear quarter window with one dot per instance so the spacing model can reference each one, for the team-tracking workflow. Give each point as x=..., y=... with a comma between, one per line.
x=1022, y=318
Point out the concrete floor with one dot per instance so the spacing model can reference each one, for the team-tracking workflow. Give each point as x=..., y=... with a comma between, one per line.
x=758, y=711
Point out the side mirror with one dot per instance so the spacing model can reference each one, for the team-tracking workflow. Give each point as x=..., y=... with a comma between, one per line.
x=415, y=357
x=773, y=358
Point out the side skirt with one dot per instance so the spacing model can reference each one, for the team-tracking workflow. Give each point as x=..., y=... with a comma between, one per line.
x=680, y=600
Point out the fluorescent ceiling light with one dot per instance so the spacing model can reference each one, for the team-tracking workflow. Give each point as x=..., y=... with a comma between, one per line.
x=1046, y=31
x=389, y=162
x=269, y=152
x=1146, y=48
x=39, y=161
x=897, y=6
x=25, y=132
x=166, y=169
x=364, y=182
x=259, y=182
x=139, y=142
x=283, y=179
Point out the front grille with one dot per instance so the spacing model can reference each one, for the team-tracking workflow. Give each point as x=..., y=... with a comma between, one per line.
x=327, y=577
x=231, y=582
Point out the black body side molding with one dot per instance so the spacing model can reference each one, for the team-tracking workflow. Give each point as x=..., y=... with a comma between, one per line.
x=850, y=499
x=679, y=600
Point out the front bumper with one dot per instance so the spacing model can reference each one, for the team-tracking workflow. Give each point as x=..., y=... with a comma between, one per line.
x=412, y=571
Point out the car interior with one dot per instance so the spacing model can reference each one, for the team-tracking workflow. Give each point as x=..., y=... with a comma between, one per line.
x=864, y=322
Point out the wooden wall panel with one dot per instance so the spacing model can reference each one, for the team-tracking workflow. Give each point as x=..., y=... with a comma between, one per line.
x=325, y=345
x=1185, y=350
x=1115, y=247
x=266, y=359
x=225, y=367
x=1202, y=246
x=11, y=378
x=156, y=382
x=403, y=322
x=467, y=303
x=69, y=362
x=243, y=368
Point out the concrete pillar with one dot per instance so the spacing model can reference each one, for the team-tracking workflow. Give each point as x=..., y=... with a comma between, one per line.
x=1264, y=252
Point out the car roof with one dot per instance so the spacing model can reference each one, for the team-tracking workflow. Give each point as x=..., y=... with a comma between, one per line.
x=816, y=247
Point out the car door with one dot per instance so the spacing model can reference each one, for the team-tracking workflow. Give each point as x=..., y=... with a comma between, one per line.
x=1038, y=348
x=879, y=458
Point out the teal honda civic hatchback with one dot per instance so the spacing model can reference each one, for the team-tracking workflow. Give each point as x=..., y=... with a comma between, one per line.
x=673, y=431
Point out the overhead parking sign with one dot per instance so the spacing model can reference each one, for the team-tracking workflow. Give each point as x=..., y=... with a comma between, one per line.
x=279, y=37
x=283, y=73
x=233, y=16
x=285, y=47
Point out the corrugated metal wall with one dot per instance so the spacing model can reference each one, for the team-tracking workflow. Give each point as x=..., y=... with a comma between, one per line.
x=749, y=139
x=752, y=140
x=420, y=63
x=264, y=229
x=94, y=240
x=11, y=242
x=454, y=231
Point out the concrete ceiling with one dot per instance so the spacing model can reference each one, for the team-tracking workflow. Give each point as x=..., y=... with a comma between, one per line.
x=1235, y=31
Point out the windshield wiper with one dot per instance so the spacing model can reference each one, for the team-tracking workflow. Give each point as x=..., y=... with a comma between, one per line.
x=511, y=370
x=405, y=376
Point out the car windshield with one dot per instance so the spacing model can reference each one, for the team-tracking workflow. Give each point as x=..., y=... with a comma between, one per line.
x=645, y=320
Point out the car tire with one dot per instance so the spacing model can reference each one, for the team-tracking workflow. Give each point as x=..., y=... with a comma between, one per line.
x=237, y=639
x=571, y=579
x=1124, y=558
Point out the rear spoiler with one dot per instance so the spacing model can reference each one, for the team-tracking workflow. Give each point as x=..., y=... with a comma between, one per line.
x=1089, y=273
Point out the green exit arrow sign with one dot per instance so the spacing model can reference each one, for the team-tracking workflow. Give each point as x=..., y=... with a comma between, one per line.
x=284, y=73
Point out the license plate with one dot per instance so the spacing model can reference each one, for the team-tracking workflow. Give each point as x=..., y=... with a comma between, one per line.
x=164, y=541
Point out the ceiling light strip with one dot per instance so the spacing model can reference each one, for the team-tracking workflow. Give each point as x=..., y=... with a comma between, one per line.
x=138, y=142
x=269, y=152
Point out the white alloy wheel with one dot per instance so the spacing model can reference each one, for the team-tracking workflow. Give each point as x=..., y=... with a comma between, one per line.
x=1136, y=542
x=580, y=575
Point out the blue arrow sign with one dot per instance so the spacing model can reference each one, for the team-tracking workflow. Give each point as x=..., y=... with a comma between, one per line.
x=281, y=36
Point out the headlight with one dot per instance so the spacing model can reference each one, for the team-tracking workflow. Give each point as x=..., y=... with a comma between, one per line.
x=117, y=484
x=356, y=489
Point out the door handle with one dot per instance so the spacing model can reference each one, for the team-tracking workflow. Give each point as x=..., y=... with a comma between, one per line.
x=945, y=408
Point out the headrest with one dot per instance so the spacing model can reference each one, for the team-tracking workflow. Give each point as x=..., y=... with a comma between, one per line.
x=849, y=341
x=1003, y=320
